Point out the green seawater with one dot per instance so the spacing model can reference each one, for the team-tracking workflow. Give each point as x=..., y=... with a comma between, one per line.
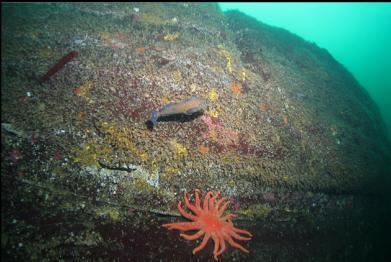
x=356, y=34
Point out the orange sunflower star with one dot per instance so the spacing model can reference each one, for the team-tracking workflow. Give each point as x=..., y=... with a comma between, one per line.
x=209, y=222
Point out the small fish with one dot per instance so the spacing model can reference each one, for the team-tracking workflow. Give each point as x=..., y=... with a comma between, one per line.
x=187, y=107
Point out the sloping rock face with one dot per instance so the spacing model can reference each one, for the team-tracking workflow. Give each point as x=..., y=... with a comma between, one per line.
x=331, y=117
x=289, y=136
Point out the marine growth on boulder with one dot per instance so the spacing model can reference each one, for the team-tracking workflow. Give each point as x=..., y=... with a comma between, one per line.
x=271, y=121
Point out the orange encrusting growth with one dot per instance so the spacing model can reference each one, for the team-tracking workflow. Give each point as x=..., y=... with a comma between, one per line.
x=285, y=119
x=140, y=49
x=235, y=88
x=203, y=149
x=207, y=219
x=263, y=107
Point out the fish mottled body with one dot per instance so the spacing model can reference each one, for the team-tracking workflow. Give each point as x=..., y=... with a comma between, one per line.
x=187, y=107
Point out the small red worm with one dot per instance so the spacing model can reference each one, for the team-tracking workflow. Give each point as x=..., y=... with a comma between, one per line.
x=59, y=65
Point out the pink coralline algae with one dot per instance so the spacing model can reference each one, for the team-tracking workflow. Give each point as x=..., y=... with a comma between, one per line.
x=57, y=155
x=217, y=132
x=15, y=155
x=235, y=204
x=222, y=138
x=212, y=123
x=125, y=104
